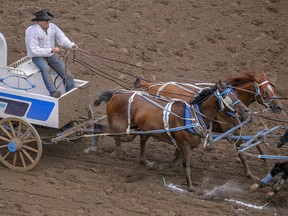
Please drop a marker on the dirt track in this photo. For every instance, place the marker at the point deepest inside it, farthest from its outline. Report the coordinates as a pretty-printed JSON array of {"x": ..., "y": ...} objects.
[{"x": 177, "y": 40}]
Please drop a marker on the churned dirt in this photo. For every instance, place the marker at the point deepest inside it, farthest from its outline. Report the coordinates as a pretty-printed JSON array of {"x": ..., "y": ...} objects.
[{"x": 177, "y": 40}]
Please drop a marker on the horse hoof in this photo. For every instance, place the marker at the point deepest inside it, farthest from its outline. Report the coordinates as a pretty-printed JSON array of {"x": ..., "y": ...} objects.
[
  {"x": 269, "y": 195},
  {"x": 117, "y": 154},
  {"x": 150, "y": 165},
  {"x": 191, "y": 189},
  {"x": 254, "y": 187},
  {"x": 89, "y": 150}
]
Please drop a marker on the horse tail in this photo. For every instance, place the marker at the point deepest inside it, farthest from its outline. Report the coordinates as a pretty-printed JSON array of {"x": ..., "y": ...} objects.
[{"x": 105, "y": 96}]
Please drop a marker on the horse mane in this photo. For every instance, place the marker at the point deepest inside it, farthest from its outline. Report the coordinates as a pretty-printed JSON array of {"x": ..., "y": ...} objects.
[
  {"x": 203, "y": 95},
  {"x": 245, "y": 77}
]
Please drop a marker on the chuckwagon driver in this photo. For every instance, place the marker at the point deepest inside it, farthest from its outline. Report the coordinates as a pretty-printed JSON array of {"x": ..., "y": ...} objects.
[{"x": 40, "y": 41}]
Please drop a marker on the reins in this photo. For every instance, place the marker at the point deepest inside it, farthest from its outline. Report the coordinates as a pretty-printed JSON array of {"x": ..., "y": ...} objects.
[
  {"x": 64, "y": 54},
  {"x": 102, "y": 73},
  {"x": 91, "y": 56},
  {"x": 268, "y": 118},
  {"x": 110, "y": 59}
]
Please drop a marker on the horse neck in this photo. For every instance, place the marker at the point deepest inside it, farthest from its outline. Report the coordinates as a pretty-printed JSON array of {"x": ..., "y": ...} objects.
[
  {"x": 246, "y": 97},
  {"x": 209, "y": 108}
]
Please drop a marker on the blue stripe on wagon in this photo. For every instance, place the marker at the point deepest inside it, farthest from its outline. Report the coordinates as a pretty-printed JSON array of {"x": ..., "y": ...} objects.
[{"x": 39, "y": 109}]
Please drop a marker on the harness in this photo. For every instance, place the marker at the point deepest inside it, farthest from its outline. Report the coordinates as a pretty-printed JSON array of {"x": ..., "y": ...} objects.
[
  {"x": 194, "y": 122},
  {"x": 259, "y": 95},
  {"x": 227, "y": 101},
  {"x": 180, "y": 85}
]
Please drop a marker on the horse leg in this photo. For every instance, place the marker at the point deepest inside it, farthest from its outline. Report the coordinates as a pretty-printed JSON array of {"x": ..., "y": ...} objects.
[
  {"x": 176, "y": 156},
  {"x": 276, "y": 188},
  {"x": 143, "y": 160},
  {"x": 241, "y": 155},
  {"x": 278, "y": 168},
  {"x": 260, "y": 150},
  {"x": 247, "y": 171},
  {"x": 243, "y": 160},
  {"x": 118, "y": 139},
  {"x": 98, "y": 128},
  {"x": 186, "y": 166},
  {"x": 127, "y": 138},
  {"x": 118, "y": 149}
]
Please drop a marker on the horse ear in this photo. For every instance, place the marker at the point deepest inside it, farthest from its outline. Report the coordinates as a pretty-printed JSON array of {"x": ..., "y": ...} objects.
[
  {"x": 218, "y": 85},
  {"x": 264, "y": 73}
]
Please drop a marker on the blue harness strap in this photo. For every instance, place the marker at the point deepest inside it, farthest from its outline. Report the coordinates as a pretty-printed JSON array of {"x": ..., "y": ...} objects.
[
  {"x": 198, "y": 119},
  {"x": 188, "y": 120}
]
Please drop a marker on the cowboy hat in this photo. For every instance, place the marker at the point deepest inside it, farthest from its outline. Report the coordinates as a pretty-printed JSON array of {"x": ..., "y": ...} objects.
[{"x": 42, "y": 15}]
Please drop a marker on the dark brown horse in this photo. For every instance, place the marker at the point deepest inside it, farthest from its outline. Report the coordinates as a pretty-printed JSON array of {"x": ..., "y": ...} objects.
[
  {"x": 278, "y": 168},
  {"x": 165, "y": 120},
  {"x": 249, "y": 88}
]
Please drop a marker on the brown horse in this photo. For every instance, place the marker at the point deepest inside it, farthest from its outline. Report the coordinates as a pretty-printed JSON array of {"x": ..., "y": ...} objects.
[
  {"x": 249, "y": 88},
  {"x": 165, "y": 120}
]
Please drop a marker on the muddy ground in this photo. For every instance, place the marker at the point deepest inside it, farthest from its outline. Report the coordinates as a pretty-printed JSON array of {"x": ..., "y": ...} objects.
[{"x": 187, "y": 41}]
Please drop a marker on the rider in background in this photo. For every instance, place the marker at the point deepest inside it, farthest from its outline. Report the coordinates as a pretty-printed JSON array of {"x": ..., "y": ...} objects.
[{"x": 40, "y": 44}]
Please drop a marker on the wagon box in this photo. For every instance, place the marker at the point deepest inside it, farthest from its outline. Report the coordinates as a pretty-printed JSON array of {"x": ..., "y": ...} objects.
[
  {"x": 26, "y": 103},
  {"x": 23, "y": 94}
]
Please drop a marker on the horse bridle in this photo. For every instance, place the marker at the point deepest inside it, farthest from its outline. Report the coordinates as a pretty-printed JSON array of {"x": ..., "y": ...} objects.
[
  {"x": 227, "y": 101},
  {"x": 258, "y": 94}
]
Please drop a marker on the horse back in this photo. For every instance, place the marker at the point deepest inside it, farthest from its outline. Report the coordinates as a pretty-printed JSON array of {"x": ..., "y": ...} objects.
[
  {"x": 146, "y": 116},
  {"x": 173, "y": 91}
]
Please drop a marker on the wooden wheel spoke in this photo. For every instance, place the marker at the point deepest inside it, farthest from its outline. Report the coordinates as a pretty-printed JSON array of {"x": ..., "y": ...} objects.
[
  {"x": 15, "y": 158},
  {"x": 5, "y": 139},
  {"x": 12, "y": 129},
  {"x": 28, "y": 155},
  {"x": 6, "y": 155},
  {"x": 30, "y": 148},
  {"x": 6, "y": 132},
  {"x": 29, "y": 141},
  {"x": 3, "y": 146},
  {"x": 19, "y": 129},
  {"x": 25, "y": 134},
  {"x": 22, "y": 159}
]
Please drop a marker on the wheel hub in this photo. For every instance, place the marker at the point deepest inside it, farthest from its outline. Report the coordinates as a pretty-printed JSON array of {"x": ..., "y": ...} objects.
[{"x": 15, "y": 145}]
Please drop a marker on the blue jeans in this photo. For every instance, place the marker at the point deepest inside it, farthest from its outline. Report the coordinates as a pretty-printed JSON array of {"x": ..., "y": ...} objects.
[{"x": 59, "y": 67}]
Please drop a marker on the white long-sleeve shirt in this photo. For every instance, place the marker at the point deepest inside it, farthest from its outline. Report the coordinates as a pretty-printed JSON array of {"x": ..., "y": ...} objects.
[{"x": 40, "y": 44}]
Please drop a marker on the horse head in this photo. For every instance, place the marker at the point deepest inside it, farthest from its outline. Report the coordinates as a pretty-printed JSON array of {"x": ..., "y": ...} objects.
[
  {"x": 266, "y": 93},
  {"x": 229, "y": 102}
]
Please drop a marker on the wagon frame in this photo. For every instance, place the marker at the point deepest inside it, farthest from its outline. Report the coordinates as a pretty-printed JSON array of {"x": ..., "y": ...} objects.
[{"x": 31, "y": 117}]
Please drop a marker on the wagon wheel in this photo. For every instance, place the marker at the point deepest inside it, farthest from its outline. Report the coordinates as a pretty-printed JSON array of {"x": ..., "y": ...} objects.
[{"x": 20, "y": 144}]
